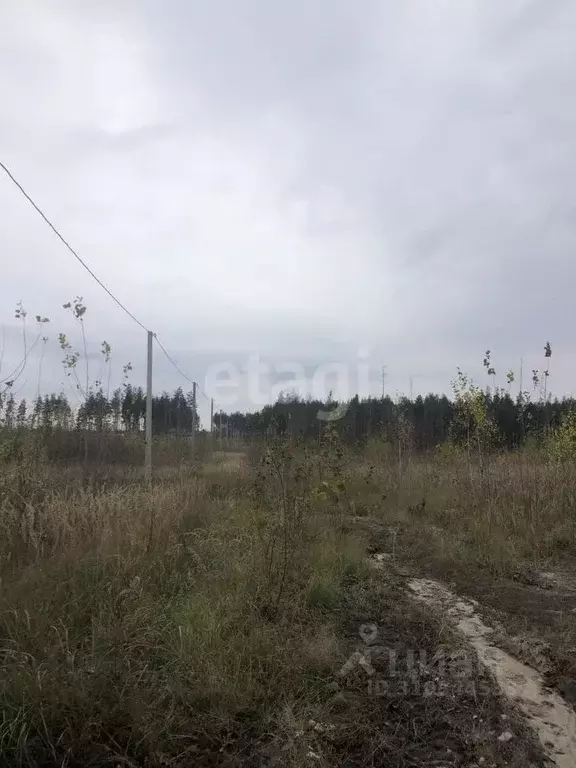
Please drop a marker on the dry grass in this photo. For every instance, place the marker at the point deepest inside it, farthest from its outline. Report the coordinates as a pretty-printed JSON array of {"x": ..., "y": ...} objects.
[
  {"x": 165, "y": 624},
  {"x": 99, "y": 450},
  {"x": 514, "y": 511},
  {"x": 491, "y": 533},
  {"x": 199, "y": 621}
]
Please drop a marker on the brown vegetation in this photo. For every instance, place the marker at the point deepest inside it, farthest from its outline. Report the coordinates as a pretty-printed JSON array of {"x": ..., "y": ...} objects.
[{"x": 202, "y": 620}]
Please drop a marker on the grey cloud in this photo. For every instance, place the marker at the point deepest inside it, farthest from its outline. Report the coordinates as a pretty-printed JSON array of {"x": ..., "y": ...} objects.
[{"x": 301, "y": 179}]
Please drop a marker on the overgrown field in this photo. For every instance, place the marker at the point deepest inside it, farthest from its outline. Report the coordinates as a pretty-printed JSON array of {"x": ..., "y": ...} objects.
[{"x": 202, "y": 620}]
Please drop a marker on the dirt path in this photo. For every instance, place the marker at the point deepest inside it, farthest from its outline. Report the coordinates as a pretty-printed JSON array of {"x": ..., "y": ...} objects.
[{"x": 551, "y": 717}]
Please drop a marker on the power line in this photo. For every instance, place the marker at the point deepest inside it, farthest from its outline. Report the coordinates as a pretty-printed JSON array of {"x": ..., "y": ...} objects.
[
  {"x": 91, "y": 273},
  {"x": 204, "y": 395},
  {"x": 180, "y": 371},
  {"x": 72, "y": 251}
]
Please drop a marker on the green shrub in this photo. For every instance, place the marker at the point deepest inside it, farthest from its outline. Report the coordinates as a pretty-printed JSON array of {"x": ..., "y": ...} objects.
[{"x": 560, "y": 444}]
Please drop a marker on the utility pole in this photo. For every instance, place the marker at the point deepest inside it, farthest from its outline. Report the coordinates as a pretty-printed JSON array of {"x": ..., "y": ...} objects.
[
  {"x": 193, "y": 412},
  {"x": 211, "y": 421},
  {"x": 148, "y": 451}
]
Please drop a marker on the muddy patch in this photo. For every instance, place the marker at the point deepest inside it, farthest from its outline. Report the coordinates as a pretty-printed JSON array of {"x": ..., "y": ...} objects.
[{"x": 550, "y": 716}]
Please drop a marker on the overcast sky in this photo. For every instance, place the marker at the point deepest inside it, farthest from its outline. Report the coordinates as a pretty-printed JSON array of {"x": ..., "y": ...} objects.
[{"x": 305, "y": 181}]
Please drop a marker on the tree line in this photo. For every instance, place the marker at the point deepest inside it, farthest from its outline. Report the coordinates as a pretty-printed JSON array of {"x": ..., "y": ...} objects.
[
  {"x": 423, "y": 422},
  {"x": 123, "y": 411}
]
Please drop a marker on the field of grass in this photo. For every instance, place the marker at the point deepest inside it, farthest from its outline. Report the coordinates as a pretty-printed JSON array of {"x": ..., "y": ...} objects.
[
  {"x": 515, "y": 509},
  {"x": 202, "y": 620}
]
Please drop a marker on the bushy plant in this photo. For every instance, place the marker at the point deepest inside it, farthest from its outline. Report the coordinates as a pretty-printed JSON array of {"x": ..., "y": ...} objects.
[
  {"x": 472, "y": 426},
  {"x": 560, "y": 443}
]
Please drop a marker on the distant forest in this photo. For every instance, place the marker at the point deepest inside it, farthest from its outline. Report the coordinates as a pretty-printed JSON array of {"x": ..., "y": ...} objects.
[
  {"x": 123, "y": 411},
  {"x": 423, "y": 422}
]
